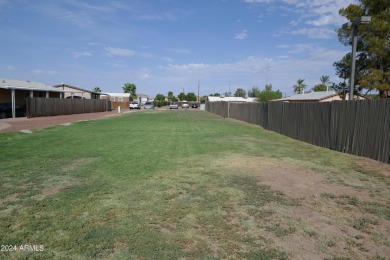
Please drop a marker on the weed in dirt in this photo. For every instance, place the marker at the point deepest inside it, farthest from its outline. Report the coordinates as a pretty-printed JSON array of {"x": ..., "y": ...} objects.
[{"x": 363, "y": 223}]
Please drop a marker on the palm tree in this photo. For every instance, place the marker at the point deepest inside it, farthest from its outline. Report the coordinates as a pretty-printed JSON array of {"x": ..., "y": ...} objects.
[
  {"x": 96, "y": 90},
  {"x": 324, "y": 85},
  {"x": 325, "y": 80},
  {"x": 299, "y": 87}
]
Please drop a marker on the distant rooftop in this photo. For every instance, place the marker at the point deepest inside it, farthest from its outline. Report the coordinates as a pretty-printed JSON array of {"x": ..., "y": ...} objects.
[
  {"x": 231, "y": 99},
  {"x": 314, "y": 96}
]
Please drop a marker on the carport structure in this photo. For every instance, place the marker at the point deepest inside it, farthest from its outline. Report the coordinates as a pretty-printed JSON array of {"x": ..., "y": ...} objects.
[{"x": 16, "y": 92}]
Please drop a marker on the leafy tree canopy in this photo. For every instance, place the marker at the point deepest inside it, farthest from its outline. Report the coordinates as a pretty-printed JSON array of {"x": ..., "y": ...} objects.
[
  {"x": 240, "y": 93},
  {"x": 324, "y": 85},
  {"x": 130, "y": 88},
  {"x": 268, "y": 94},
  {"x": 182, "y": 96},
  {"x": 160, "y": 97},
  {"x": 373, "y": 48},
  {"x": 191, "y": 96},
  {"x": 253, "y": 92}
]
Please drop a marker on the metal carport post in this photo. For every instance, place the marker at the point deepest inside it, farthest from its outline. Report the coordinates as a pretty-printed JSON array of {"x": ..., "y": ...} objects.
[{"x": 13, "y": 102}]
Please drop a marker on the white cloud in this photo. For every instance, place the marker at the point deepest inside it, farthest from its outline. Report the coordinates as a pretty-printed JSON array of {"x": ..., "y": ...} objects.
[
  {"x": 81, "y": 54},
  {"x": 315, "y": 33},
  {"x": 241, "y": 36},
  {"x": 119, "y": 52},
  {"x": 144, "y": 76},
  {"x": 258, "y": 1},
  {"x": 180, "y": 51}
]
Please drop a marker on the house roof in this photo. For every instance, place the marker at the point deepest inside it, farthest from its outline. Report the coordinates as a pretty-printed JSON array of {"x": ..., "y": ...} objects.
[
  {"x": 26, "y": 85},
  {"x": 73, "y": 87},
  {"x": 311, "y": 96},
  {"x": 116, "y": 94},
  {"x": 231, "y": 99}
]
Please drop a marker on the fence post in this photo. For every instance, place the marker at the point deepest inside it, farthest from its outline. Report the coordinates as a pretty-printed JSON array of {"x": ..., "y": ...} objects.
[{"x": 228, "y": 109}]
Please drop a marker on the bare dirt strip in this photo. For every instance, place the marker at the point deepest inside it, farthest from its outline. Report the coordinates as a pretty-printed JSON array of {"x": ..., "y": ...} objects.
[{"x": 24, "y": 123}]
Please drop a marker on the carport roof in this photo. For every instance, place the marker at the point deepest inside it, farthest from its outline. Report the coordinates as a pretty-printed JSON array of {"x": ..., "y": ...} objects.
[{"x": 26, "y": 85}]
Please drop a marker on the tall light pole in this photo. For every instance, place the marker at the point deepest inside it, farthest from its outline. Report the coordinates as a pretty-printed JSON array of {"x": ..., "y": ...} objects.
[{"x": 354, "y": 26}]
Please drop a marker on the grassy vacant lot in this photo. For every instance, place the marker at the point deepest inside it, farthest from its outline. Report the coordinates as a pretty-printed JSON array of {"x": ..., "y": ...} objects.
[{"x": 187, "y": 184}]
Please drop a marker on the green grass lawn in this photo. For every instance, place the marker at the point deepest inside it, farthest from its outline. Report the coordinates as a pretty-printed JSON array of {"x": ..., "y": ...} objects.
[{"x": 180, "y": 184}]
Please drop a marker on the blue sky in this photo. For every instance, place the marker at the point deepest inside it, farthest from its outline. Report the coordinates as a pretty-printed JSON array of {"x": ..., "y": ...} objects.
[{"x": 168, "y": 45}]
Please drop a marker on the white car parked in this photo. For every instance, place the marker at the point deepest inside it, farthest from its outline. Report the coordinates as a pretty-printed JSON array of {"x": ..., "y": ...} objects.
[{"x": 185, "y": 104}]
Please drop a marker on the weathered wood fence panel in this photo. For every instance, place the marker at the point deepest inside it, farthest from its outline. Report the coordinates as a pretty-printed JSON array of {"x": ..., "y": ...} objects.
[
  {"x": 38, "y": 107},
  {"x": 355, "y": 127}
]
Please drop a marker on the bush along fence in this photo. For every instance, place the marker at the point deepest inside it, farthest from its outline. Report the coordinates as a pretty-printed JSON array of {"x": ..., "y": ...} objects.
[
  {"x": 38, "y": 107},
  {"x": 356, "y": 127}
]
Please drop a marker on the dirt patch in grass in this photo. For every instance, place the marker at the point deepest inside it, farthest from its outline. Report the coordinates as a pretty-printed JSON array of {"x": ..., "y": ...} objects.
[
  {"x": 330, "y": 219},
  {"x": 292, "y": 180},
  {"x": 77, "y": 163}
]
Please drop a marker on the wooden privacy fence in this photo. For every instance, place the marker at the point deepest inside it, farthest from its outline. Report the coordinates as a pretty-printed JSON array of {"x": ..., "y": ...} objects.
[
  {"x": 123, "y": 105},
  {"x": 356, "y": 127},
  {"x": 38, "y": 107}
]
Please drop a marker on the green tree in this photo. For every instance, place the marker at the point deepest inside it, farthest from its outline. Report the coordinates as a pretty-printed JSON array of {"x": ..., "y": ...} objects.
[
  {"x": 215, "y": 95},
  {"x": 159, "y": 100},
  {"x": 171, "y": 97},
  {"x": 268, "y": 94},
  {"x": 254, "y": 92},
  {"x": 130, "y": 88},
  {"x": 268, "y": 87},
  {"x": 240, "y": 93},
  {"x": 299, "y": 88},
  {"x": 96, "y": 90},
  {"x": 160, "y": 97},
  {"x": 182, "y": 96},
  {"x": 373, "y": 48},
  {"x": 191, "y": 96},
  {"x": 227, "y": 94},
  {"x": 324, "y": 85}
]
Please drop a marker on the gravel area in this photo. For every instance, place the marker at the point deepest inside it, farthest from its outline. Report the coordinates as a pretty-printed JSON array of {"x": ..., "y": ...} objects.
[{"x": 24, "y": 123}]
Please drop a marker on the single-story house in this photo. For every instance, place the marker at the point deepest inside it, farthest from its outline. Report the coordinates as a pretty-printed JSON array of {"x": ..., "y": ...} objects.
[
  {"x": 116, "y": 97},
  {"x": 125, "y": 97},
  {"x": 75, "y": 92},
  {"x": 320, "y": 96},
  {"x": 15, "y": 92},
  {"x": 231, "y": 99}
]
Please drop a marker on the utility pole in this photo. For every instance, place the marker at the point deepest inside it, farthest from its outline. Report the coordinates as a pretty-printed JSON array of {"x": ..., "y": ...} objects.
[
  {"x": 266, "y": 74},
  {"x": 198, "y": 92}
]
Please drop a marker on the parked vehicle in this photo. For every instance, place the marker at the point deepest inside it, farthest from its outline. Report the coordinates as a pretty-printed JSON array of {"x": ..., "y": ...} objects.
[
  {"x": 185, "y": 104},
  {"x": 134, "y": 105},
  {"x": 149, "y": 105},
  {"x": 6, "y": 110},
  {"x": 173, "y": 105},
  {"x": 194, "y": 105}
]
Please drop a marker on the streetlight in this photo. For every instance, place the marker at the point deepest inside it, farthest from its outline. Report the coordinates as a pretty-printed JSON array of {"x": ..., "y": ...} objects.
[{"x": 354, "y": 25}]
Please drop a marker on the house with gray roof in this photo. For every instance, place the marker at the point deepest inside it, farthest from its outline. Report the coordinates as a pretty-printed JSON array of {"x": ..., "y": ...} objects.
[
  {"x": 76, "y": 92},
  {"x": 320, "y": 96},
  {"x": 230, "y": 99},
  {"x": 16, "y": 92}
]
